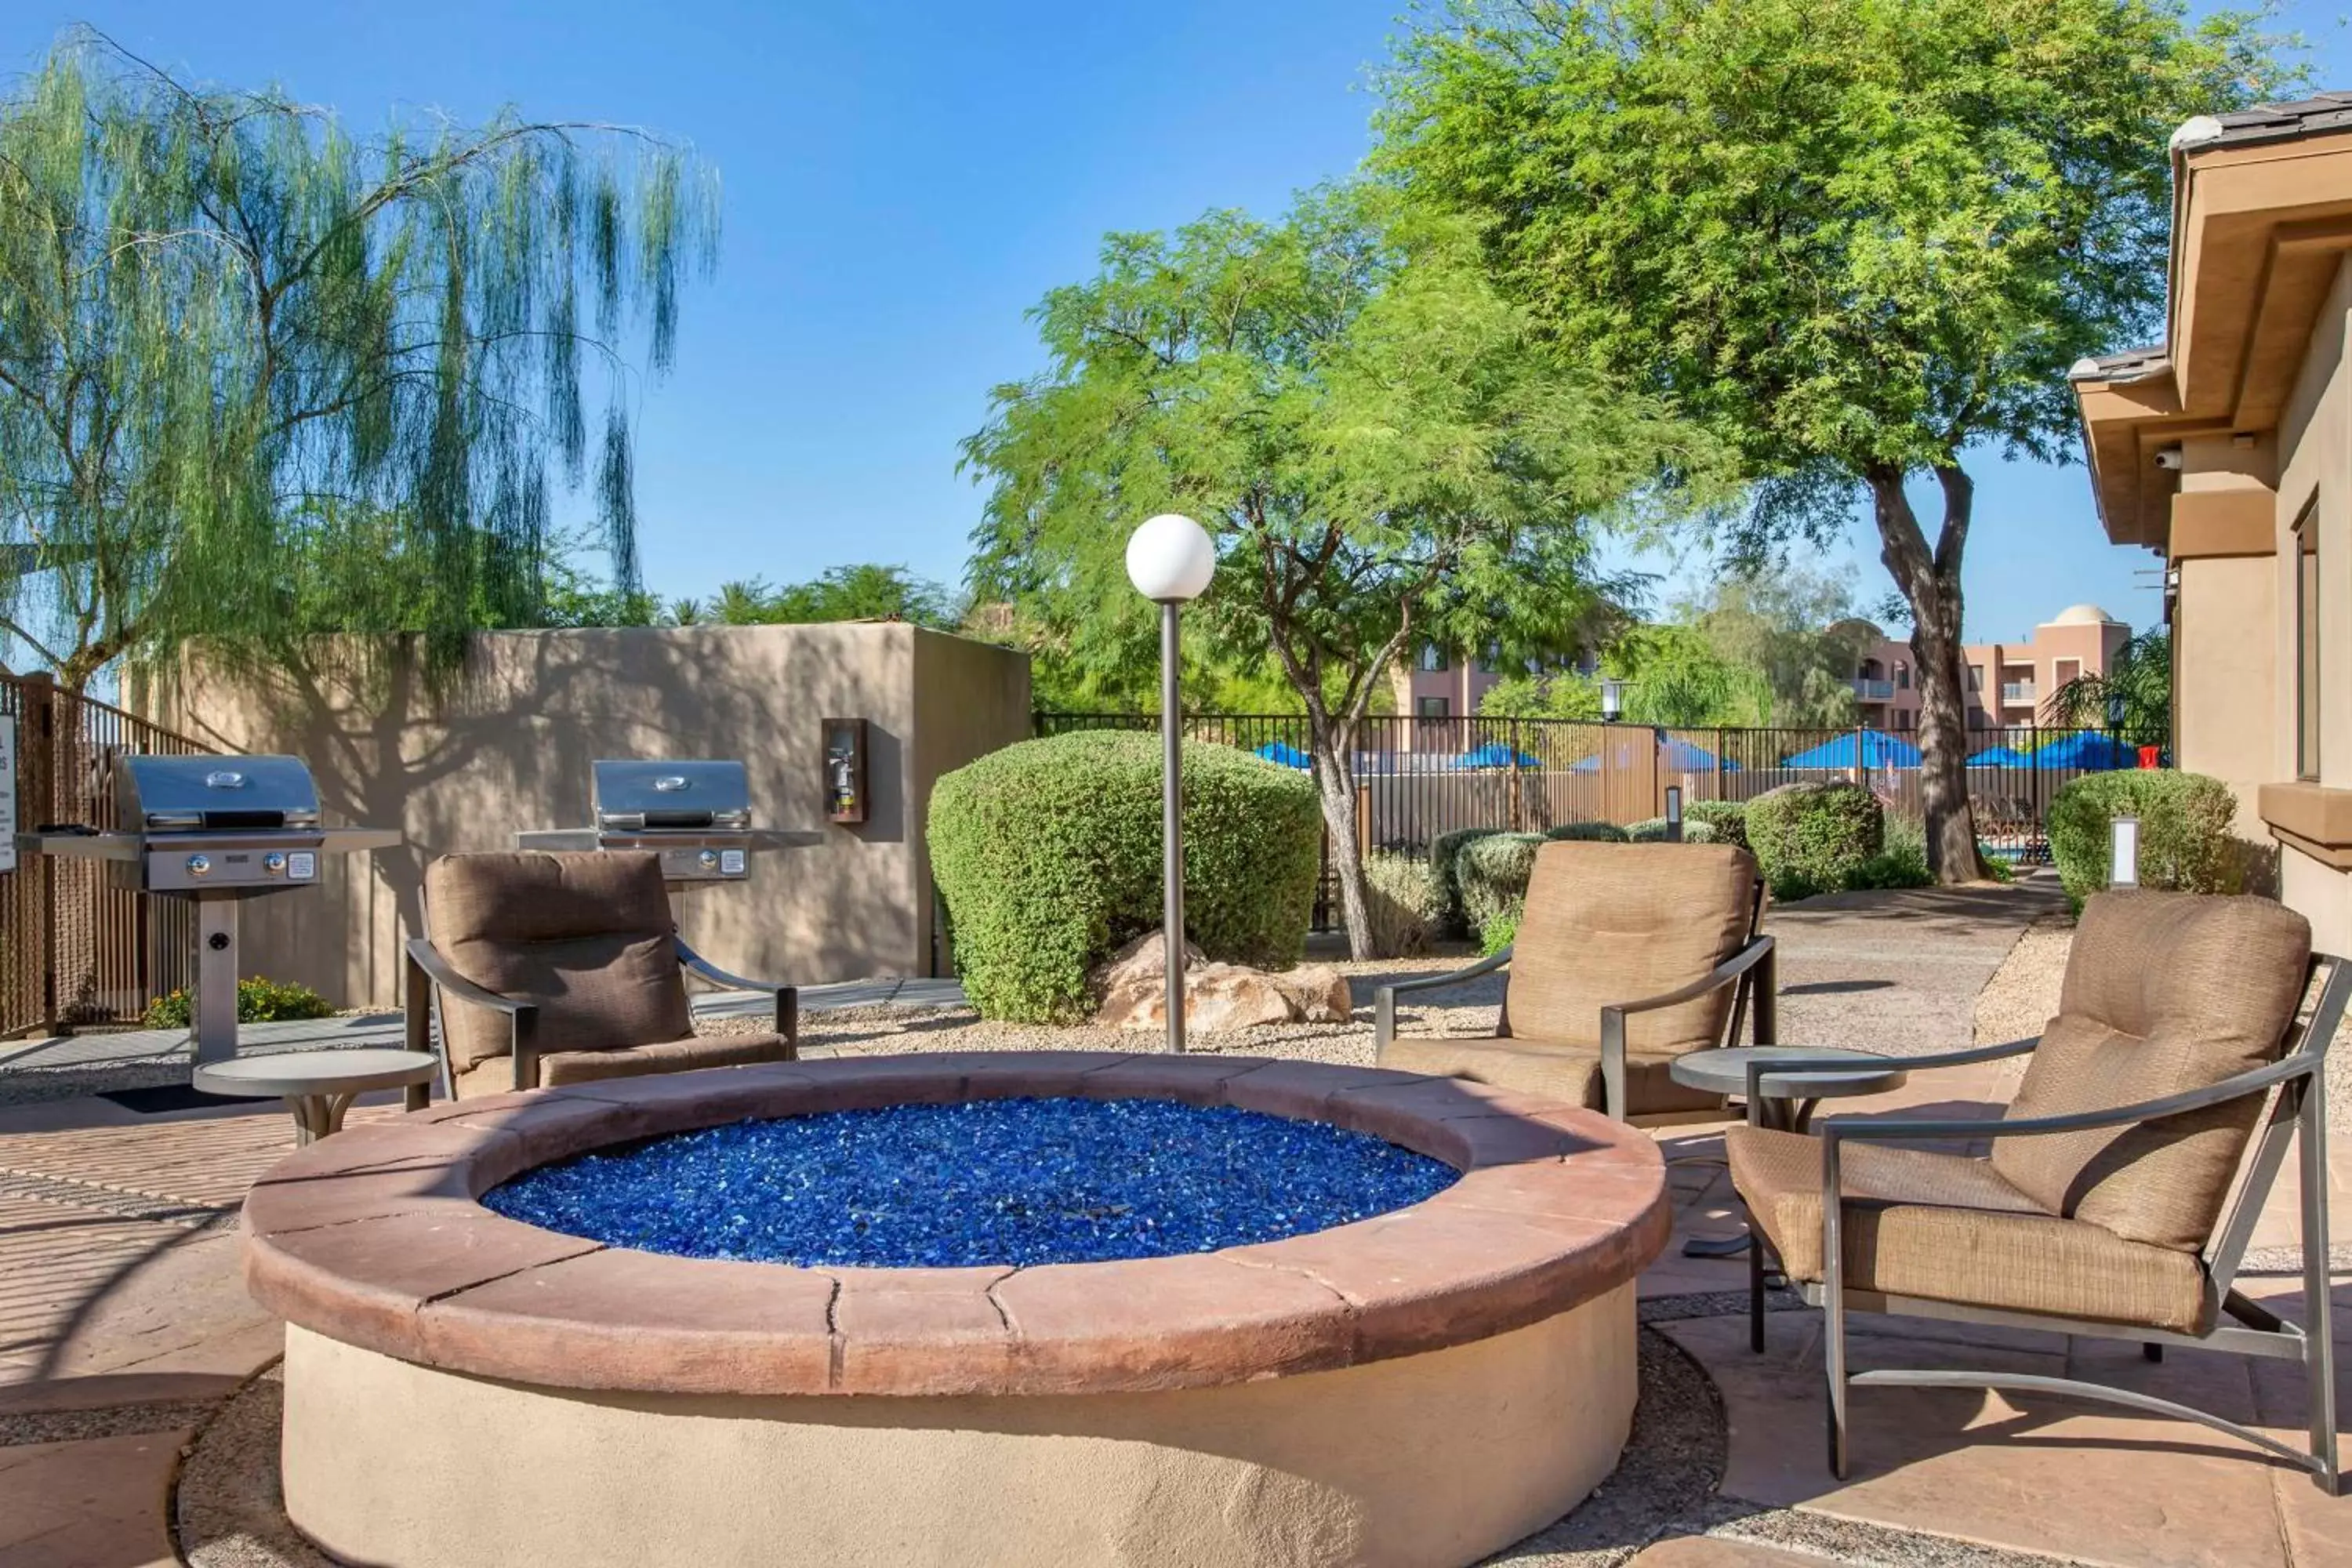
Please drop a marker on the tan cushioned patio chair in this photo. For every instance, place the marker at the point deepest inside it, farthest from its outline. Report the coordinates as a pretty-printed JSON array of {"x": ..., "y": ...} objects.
[
  {"x": 2100, "y": 1209},
  {"x": 1628, "y": 956},
  {"x": 561, "y": 968}
]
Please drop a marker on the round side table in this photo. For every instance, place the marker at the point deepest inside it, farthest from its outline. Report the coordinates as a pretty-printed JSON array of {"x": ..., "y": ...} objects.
[
  {"x": 1785, "y": 1098},
  {"x": 320, "y": 1086}
]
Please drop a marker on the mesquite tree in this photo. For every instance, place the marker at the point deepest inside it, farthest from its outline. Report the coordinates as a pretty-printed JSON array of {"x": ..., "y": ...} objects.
[
  {"x": 1862, "y": 240},
  {"x": 1378, "y": 446},
  {"x": 223, "y": 317}
]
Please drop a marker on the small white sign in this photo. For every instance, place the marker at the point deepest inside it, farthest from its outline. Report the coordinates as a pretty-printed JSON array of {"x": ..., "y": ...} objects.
[
  {"x": 301, "y": 866},
  {"x": 730, "y": 862},
  {"x": 8, "y": 792}
]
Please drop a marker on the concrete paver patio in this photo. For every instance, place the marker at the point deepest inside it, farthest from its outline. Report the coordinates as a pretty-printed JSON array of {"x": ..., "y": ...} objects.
[{"x": 123, "y": 1324}]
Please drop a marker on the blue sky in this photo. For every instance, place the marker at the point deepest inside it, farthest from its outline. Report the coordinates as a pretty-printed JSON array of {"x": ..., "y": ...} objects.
[{"x": 901, "y": 183}]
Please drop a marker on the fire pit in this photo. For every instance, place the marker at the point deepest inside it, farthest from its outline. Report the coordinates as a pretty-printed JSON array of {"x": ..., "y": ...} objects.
[{"x": 1285, "y": 1382}]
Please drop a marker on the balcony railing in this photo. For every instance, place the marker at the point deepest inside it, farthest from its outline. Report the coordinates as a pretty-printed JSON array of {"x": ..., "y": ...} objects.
[
  {"x": 2017, "y": 691},
  {"x": 1873, "y": 691}
]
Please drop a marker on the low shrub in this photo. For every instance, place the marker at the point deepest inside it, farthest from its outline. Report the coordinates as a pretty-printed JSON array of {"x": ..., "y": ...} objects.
[
  {"x": 1901, "y": 862},
  {"x": 1047, "y": 855},
  {"x": 2185, "y": 839},
  {"x": 1727, "y": 817},
  {"x": 1501, "y": 930},
  {"x": 1813, "y": 839},
  {"x": 1591, "y": 832},
  {"x": 1443, "y": 855},
  {"x": 1402, "y": 894},
  {"x": 1654, "y": 831},
  {"x": 1493, "y": 874},
  {"x": 258, "y": 1001}
]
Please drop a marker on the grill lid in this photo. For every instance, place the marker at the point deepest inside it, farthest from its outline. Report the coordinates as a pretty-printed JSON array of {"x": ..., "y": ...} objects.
[
  {"x": 680, "y": 797},
  {"x": 213, "y": 794}
]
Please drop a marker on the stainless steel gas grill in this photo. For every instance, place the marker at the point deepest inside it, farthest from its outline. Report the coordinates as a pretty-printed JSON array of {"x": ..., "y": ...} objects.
[
  {"x": 215, "y": 830},
  {"x": 697, "y": 816}
]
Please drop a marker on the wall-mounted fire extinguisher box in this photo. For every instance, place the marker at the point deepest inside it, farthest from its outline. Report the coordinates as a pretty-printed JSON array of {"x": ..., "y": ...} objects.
[{"x": 844, "y": 769}]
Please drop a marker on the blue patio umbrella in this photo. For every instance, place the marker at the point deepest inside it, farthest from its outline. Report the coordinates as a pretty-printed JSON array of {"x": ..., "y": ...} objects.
[
  {"x": 2088, "y": 749},
  {"x": 1289, "y": 756},
  {"x": 2000, "y": 757},
  {"x": 1879, "y": 750},
  {"x": 1495, "y": 755}
]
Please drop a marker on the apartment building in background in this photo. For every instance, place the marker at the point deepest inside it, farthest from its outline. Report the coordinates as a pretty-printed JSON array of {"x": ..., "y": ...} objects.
[{"x": 2007, "y": 682}]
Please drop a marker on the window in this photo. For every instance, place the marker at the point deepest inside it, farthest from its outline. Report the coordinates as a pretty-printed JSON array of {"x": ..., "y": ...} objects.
[
  {"x": 1429, "y": 707},
  {"x": 1975, "y": 678},
  {"x": 2065, "y": 670},
  {"x": 2306, "y": 641},
  {"x": 1433, "y": 657},
  {"x": 1491, "y": 660},
  {"x": 1901, "y": 677}
]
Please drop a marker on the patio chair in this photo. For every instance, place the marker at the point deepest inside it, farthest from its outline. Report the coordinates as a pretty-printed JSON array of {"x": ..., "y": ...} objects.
[
  {"x": 2105, "y": 1207},
  {"x": 561, "y": 968},
  {"x": 1628, "y": 956}
]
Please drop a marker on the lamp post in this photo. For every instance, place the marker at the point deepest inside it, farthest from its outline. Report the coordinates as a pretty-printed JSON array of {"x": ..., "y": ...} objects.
[
  {"x": 1612, "y": 700},
  {"x": 1169, "y": 560}
]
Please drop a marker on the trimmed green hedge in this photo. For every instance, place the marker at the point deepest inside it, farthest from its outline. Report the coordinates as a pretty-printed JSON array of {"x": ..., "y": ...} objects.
[
  {"x": 1727, "y": 817},
  {"x": 1901, "y": 863},
  {"x": 1403, "y": 895},
  {"x": 1443, "y": 855},
  {"x": 1492, "y": 873},
  {"x": 1048, "y": 855},
  {"x": 1591, "y": 832},
  {"x": 1813, "y": 839},
  {"x": 1654, "y": 831},
  {"x": 2185, "y": 839}
]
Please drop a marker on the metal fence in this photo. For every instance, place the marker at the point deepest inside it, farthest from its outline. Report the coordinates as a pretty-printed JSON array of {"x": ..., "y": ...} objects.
[
  {"x": 76, "y": 952},
  {"x": 1419, "y": 778}
]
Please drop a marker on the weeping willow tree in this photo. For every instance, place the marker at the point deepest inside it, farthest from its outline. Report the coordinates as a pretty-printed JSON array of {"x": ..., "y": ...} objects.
[{"x": 224, "y": 319}]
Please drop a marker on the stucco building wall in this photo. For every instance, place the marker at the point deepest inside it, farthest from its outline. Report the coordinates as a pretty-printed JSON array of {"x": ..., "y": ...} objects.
[{"x": 508, "y": 746}]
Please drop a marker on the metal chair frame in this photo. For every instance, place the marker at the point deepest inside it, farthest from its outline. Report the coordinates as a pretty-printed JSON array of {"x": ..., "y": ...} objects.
[
  {"x": 1754, "y": 969},
  {"x": 430, "y": 974},
  {"x": 2241, "y": 1327}
]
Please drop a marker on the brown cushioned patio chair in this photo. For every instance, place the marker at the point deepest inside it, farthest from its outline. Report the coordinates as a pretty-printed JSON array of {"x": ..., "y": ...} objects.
[
  {"x": 2104, "y": 1208},
  {"x": 560, "y": 968},
  {"x": 1628, "y": 956}
]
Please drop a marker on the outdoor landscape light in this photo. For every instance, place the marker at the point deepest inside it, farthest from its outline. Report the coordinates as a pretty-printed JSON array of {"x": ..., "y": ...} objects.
[
  {"x": 1169, "y": 560},
  {"x": 2122, "y": 852},
  {"x": 1674, "y": 814},
  {"x": 1612, "y": 700}
]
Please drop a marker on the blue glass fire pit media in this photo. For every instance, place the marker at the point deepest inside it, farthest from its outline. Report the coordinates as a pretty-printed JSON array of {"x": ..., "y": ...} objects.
[{"x": 1010, "y": 1182}]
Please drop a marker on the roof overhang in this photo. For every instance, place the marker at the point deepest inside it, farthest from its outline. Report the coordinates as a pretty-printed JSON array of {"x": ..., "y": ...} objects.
[{"x": 2259, "y": 228}]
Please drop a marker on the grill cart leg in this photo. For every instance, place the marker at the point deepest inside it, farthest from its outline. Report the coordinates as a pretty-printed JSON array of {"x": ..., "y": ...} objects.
[{"x": 215, "y": 980}]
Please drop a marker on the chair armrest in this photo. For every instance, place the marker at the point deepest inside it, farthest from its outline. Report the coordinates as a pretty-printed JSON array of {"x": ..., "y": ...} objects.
[
  {"x": 2238, "y": 1085},
  {"x": 1973, "y": 1054},
  {"x": 522, "y": 1018},
  {"x": 787, "y": 997},
  {"x": 1384, "y": 998},
  {"x": 1758, "y": 951}
]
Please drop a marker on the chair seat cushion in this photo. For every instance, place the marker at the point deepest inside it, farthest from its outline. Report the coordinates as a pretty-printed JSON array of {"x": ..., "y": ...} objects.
[
  {"x": 495, "y": 1075},
  {"x": 1946, "y": 1227},
  {"x": 1569, "y": 1072}
]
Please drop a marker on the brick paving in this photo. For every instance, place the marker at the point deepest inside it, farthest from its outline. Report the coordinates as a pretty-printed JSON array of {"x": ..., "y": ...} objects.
[{"x": 123, "y": 1322}]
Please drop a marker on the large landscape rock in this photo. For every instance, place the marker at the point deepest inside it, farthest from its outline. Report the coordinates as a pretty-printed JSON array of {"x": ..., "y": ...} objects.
[{"x": 1217, "y": 997}]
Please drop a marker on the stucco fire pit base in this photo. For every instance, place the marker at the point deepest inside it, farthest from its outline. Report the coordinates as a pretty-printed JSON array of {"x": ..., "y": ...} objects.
[
  {"x": 1434, "y": 1458},
  {"x": 1421, "y": 1388}
]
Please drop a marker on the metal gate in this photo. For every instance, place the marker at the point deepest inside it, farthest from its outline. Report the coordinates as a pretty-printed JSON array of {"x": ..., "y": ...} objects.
[{"x": 75, "y": 951}]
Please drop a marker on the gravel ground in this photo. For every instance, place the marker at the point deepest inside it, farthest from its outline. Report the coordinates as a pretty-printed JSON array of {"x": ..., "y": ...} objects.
[{"x": 1471, "y": 1009}]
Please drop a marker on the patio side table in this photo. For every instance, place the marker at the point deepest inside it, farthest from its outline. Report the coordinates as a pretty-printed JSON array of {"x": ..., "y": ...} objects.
[
  {"x": 1792, "y": 1082},
  {"x": 320, "y": 1086}
]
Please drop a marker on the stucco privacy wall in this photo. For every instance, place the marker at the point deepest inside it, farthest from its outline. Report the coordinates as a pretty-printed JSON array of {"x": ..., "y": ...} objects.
[{"x": 509, "y": 745}]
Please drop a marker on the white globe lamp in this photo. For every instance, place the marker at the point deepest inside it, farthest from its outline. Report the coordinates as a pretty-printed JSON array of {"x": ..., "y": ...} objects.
[{"x": 1169, "y": 560}]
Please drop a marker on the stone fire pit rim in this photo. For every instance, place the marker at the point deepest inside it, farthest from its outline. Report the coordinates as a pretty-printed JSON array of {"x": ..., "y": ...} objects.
[{"x": 374, "y": 1237}]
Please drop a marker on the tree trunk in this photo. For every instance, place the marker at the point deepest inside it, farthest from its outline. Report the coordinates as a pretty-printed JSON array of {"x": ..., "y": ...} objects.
[
  {"x": 1930, "y": 581},
  {"x": 1337, "y": 782}
]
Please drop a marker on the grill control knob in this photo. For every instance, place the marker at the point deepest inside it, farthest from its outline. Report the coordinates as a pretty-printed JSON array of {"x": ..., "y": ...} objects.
[
  {"x": 200, "y": 865},
  {"x": 709, "y": 859},
  {"x": 273, "y": 864}
]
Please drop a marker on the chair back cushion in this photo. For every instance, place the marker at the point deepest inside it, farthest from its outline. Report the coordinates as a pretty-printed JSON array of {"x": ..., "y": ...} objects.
[
  {"x": 586, "y": 935},
  {"x": 1618, "y": 922},
  {"x": 2164, "y": 993}
]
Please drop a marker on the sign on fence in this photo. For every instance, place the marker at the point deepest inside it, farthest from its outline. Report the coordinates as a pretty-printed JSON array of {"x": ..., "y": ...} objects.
[{"x": 8, "y": 792}]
